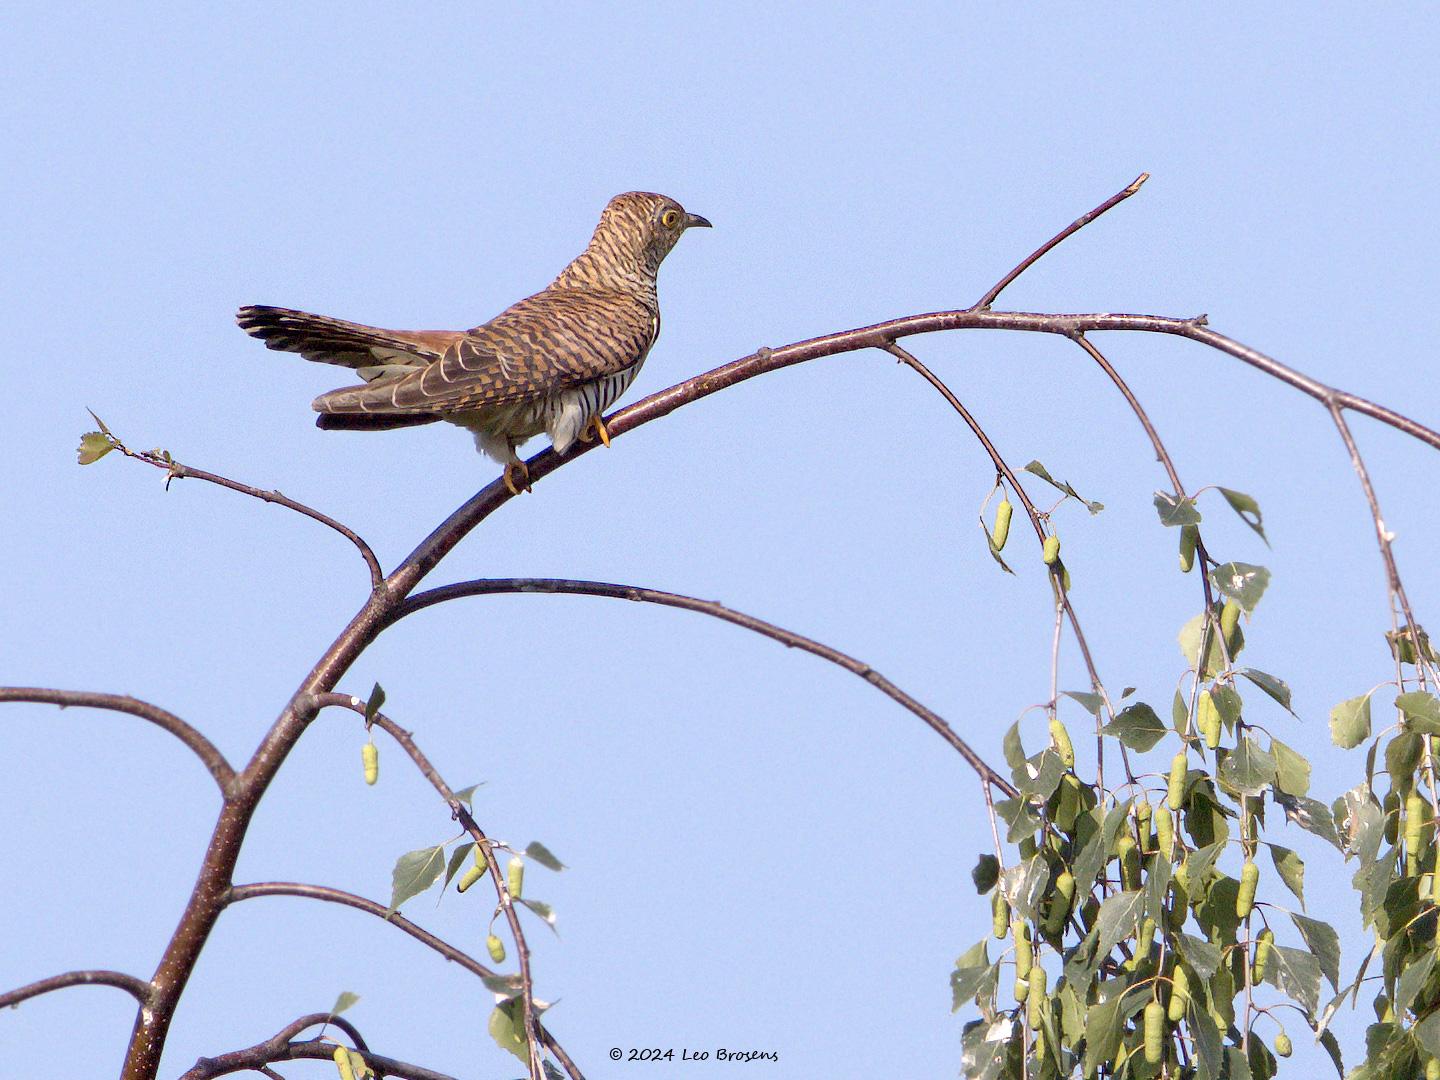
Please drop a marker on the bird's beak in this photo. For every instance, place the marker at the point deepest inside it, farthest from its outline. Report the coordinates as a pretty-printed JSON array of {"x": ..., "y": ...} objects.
[{"x": 693, "y": 220}]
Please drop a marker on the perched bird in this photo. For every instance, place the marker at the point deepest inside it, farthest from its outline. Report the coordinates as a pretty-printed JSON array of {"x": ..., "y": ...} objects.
[{"x": 554, "y": 362}]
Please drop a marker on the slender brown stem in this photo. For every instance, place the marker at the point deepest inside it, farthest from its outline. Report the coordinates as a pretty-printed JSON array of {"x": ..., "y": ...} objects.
[
  {"x": 204, "y": 749},
  {"x": 489, "y": 587},
  {"x": 1382, "y": 535},
  {"x": 1161, "y": 454},
  {"x": 1074, "y": 227},
  {"x": 536, "y": 1037},
  {"x": 1062, "y": 598},
  {"x": 139, "y": 989},
  {"x": 359, "y": 903},
  {"x": 176, "y": 471}
]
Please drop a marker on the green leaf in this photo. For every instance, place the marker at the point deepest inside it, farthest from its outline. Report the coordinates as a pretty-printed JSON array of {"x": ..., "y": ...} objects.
[
  {"x": 1040, "y": 775},
  {"x": 1246, "y": 770},
  {"x": 507, "y": 1028},
  {"x": 1175, "y": 510},
  {"x": 377, "y": 699},
  {"x": 1322, "y": 941},
  {"x": 1241, "y": 582},
  {"x": 542, "y": 909},
  {"x": 1190, "y": 635},
  {"x": 1228, "y": 703},
  {"x": 93, "y": 446},
  {"x": 504, "y": 985},
  {"x": 1118, "y": 919},
  {"x": 1091, "y": 703},
  {"x": 1202, "y": 956},
  {"x": 1276, "y": 688},
  {"x": 972, "y": 970},
  {"x": 1040, "y": 471},
  {"x": 1299, "y": 975},
  {"x": 1412, "y": 978},
  {"x": 1024, "y": 885},
  {"x": 467, "y": 795},
  {"x": 1137, "y": 727},
  {"x": 1427, "y": 1032},
  {"x": 1291, "y": 869},
  {"x": 1247, "y": 508},
  {"x": 1292, "y": 771},
  {"x": 1012, "y": 747},
  {"x": 414, "y": 872},
  {"x": 1422, "y": 711},
  {"x": 986, "y": 873},
  {"x": 1311, "y": 815},
  {"x": 1332, "y": 1047},
  {"x": 1103, "y": 1031},
  {"x": 457, "y": 856},
  {"x": 1209, "y": 1049},
  {"x": 994, "y": 551},
  {"x": 1350, "y": 722},
  {"x": 543, "y": 855},
  {"x": 343, "y": 1002}
]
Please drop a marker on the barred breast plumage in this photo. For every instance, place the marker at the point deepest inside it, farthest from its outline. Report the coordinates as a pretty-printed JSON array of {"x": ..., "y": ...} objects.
[{"x": 552, "y": 363}]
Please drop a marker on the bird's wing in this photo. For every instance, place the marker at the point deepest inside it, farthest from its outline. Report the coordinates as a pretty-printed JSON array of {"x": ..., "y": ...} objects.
[
  {"x": 551, "y": 341},
  {"x": 335, "y": 341}
]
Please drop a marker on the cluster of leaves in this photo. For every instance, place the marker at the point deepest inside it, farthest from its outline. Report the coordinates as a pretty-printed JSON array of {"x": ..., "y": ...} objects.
[
  {"x": 1393, "y": 840},
  {"x": 1133, "y": 942}
]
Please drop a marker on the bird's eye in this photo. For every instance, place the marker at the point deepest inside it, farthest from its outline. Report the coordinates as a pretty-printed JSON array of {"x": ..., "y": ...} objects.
[{"x": 670, "y": 218}]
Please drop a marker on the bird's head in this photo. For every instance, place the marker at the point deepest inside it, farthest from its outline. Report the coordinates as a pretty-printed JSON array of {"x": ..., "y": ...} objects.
[{"x": 638, "y": 229}]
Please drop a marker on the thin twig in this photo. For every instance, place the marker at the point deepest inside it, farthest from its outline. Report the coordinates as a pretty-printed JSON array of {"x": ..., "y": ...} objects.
[
  {"x": 139, "y": 989},
  {"x": 1062, "y": 598},
  {"x": 204, "y": 749},
  {"x": 1161, "y": 454},
  {"x": 492, "y": 586},
  {"x": 359, "y": 903},
  {"x": 535, "y": 1037},
  {"x": 1074, "y": 227},
  {"x": 176, "y": 471}
]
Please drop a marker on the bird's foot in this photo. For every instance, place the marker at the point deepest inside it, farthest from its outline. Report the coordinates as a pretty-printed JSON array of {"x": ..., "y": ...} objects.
[
  {"x": 517, "y": 477},
  {"x": 595, "y": 427}
]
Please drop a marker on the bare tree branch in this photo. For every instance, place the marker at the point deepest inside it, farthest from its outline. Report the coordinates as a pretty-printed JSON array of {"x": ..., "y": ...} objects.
[
  {"x": 279, "y": 1048},
  {"x": 360, "y": 903},
  {"x": 139, "y": 989},
  {"x": 204, "y": 749},
  {"x": 487, "y": 587},
  {"x": 176, "y": 471},
  {"x": 1069, "y": 230}
]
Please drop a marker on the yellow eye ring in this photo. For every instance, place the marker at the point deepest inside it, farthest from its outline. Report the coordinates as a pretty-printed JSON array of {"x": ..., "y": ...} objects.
[{"x": 670, "y": 218}]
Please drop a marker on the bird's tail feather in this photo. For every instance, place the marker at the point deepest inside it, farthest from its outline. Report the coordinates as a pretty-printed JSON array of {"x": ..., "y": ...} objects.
[{"x": 336, "y": 341}]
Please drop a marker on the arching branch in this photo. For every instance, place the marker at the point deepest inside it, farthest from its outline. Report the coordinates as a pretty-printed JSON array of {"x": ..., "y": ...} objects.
[
  {"x": 204, "y": 749},
  {"x": 139, "y": 989},
  {"x": 489, "y": 587}
]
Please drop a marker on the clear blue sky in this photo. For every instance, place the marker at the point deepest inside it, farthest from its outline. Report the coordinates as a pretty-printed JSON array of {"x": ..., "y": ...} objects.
[{"x": 764, "y": 853}]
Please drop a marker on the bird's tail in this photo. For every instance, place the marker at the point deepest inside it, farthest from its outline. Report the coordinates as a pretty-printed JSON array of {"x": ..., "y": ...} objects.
[{"x": 336, "y": 341}]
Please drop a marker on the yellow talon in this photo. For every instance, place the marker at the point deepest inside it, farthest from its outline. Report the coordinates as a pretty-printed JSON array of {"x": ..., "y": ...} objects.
[
  {"x": 513, "y": 470},
  {"x": 598, "y": 425}
]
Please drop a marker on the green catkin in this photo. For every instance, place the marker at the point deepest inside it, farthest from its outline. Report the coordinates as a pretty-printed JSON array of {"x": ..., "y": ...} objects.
[
  {"x": 1229, "y": 623},
  {"x": 1052, "y": 550},
  {"x": 370, "y": 757},
  {"x": 1249, "y": 880},
  {"x": 496, "y": 947},
  {"x": 1060, "y": 902},
  {"x": 1414, "y": 832},
  {"x": 1208, "y": 720},
  {"x": 515, "y": 878},
  {"x": 1179, "y": 770},
  {"x": 1003, "y": 513},
  {"x": 1129, "y": 857},
  {"x": 1165, "y": 833},
  {"x": 1189, "y": 535},
  {"x": 1000, "y": 912},
  {"x": 1035, "y": 998},
  {"x": 1179, "y": 994},
  {"x": 1392, "y": 818},
  {"x": 1154, "y": 1032},
  {"x": 1283, "y": 1047},
  {"x": 1263, "y": 947},
  {"x": 1024, "y": 954}
]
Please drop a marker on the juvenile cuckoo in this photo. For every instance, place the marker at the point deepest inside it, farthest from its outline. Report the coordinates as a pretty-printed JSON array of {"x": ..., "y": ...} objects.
[{"x": 553, "y": 363}]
